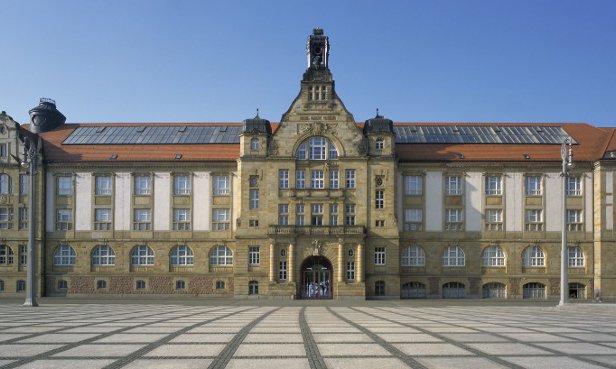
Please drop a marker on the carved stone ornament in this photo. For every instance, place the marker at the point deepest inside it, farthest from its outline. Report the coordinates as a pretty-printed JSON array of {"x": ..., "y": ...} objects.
[
  {"x": 273, "y": 148},
  {"x": 317, "y": 248}
]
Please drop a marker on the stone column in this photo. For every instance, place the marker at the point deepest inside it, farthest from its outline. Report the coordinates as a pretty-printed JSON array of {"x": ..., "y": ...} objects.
[
  {"x": 271, "y": 263},
  {"x": 340, "y": 264},
  {"x": 359, "y": 268},
  {"x": 291, "y": 262}
]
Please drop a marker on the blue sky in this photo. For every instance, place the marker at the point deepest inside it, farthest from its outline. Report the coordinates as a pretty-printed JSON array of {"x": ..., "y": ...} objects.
[{"x": 217, "y": 61}]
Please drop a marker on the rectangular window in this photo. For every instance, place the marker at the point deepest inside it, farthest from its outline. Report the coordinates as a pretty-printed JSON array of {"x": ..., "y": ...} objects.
[
  {"x": 283, "y": 214},
  {"x": 102, "y": 219},
  {"x": 282, "y": 270},
  {"x": 379, "y": 256},
  {"x": 453, "y": 185},
  {"x": 23, "y": 184},
  {"x": 3, "y": 150},
  {"x": 220, "y": 219},
  {"x": 253, "y": 202},
  {"x": 574, "y": 186},
  {"x": 379, "y": 223},
  {"x": 283, "y": 178},
  {"x": 142, "y": 220},
  {"x": 413, "y": 185},
  {"x": 379, "y": 198},
  {"x": 64, "y": 220},
  {"x": 333, "y": 214},
  {"x": 574, "y": 220},
  {"x": 316, "y": 179},
  {"x": 65, "y": 185},
  {"x": 333, "y": 179},
  {"x": 300, "y": 179},
  {"x": 316, "y": 214},
  {"x": 6, "y": 218},
  {"x": 454, "y": 220},
  {"x": 494, "y": 185},
  {"x": 413, "y": 219},
  {"x": 534, "y": 220},
  {"x": 533, "y": 185},
  {"x": 350, "y": 270},
  {"x": 103, "y": 185},
  {"x": 23, "y": 254},
  {"x": 253, "y": 223},
  {"x": 494, "y": 219},
  {"x": 349, "y": 214},
  {"x": 350, "y": 178},
  {"x": 253, "y": 255},
  {"x": 222, "y": 185},
  {"x": 23, "y": 218},
  {"x": 299, "y": 214},
  {"x": 181, "y": 185},
  {"x": 181, "y": 219},
  {"x": 142, "y": 186}
]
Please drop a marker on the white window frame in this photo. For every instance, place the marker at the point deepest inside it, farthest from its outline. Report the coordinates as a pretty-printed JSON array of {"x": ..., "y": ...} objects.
[
  {"x": 64, "y": 219},
  {"x": 253, "y": 201},
  {"x": 103, "y": 255},
  {"x": 413, "y": 219},
  {"x": 575, "y": 257},
  {"x": 181, "y": 185},
  {"x": 64, "y": 255},
  {"x": 380, "y": 256},
  {"x": 283, "y": 179},
  {"x": 349, "y": 214},
  {"x": 283, "y": 214},
  {"x": 413, "y": 185},
  {"x": 102, "y": 219},
  {"x": 142, "y": 255},
  {"x": 317, "y": 179},
  {"x": 142, "y": 219},
  {"x": 453, "y": 256},
  {"x": 181, "y": 255},
  {"x": 221, "y": 219},
  {"x": 103, "y": 186},
  {"x": 64, "y": 185},
  {"x": 254, "y": 255},
  {"x": 181, "y": 219},
  {"x": 143, "y": 185},
  {"x": 493, "y": 256},
  {"x": 575, "y": 220},
  {"x": 300, "y": 179},
  {"x": 494, "y": 185},
  {"x": 413, "y": 256},
  {"x": 350, "y": 176},
  {"x": 533, "y": 185},
  {"x": 334, "y": 179},
  {"x": 222, "y": 185},
  {"x": 221, "y": 255},
  {"x": 533, "y": 256},
  {"x": 453, "y": 185},
  {"x": 574, "y": 186}
]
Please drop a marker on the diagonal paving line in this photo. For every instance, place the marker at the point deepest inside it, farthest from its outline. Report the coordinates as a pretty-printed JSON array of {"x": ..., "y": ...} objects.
[
  {"x": 48, "y": 354},
  {"x": 510, "y": 339},
  {"x": 226, "y": 354},
  {"x": 60, "y": 329},
  {"x": 445, "y": 339},
  {"x": 386, "y": 345},
  {"x": 312, "y": 350}
]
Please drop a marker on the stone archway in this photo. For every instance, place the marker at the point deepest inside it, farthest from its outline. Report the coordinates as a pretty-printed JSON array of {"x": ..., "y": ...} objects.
[{"x": 317, "y": 274}]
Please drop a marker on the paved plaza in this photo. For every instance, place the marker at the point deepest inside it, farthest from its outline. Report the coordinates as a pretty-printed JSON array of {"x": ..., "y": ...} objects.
[{"x": 383, "y": 335}]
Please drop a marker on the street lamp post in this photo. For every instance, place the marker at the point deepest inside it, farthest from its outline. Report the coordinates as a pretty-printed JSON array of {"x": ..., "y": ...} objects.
[
  {"x": 566, "y": 153},
  {"x": 30, "y": 160}
]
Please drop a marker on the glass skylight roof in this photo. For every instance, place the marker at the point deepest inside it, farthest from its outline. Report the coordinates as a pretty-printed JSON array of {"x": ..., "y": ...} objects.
[
  {"x": 218, "y": 134},
  {"x": 497, "y": 134}
]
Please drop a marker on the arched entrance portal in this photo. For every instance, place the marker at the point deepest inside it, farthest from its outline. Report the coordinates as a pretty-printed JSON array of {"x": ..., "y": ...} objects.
[{"x": 317, "y": 275}]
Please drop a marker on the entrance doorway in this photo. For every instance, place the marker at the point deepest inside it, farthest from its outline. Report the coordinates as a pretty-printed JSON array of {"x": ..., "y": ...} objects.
[{"x": 316, "y": 278}]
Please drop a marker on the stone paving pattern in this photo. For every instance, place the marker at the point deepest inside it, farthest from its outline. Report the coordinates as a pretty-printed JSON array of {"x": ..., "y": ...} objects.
[{"x": 337, "y": 336}]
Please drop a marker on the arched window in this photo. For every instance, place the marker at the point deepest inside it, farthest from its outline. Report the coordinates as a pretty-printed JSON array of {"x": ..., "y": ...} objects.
[
  {"x": 181, "y": 255},
  {"x": 221, "y": 255},
  {"x": 493, "y": 256},
  {"x": 180, "y": 285},
  {"x": 576, "y": 256},
  {"x": 253, "y": 288},
  {"x": 103, "y": 255},
  {"x": 453, "y": 257},
  {"x": 316, "y": 148},
  {"x": 533, "y": 291},
  {"x": 101, "y": 284},
  {"x": 413, "y": 290},
  {"x": 142, "y": 255},
  {"x": 453, "y": 290},
  {"x": 64, "y": 255},
  {"x": 533, "y": 257},
  {"x": 254, "y": 144},
  {"x": 413, "y": 256},
  {"x": 493, "y": 291},
  {"x": 5, "y": 184},
  {"x": 6, "y": 255},
  {"x": 380, "y": 143}
]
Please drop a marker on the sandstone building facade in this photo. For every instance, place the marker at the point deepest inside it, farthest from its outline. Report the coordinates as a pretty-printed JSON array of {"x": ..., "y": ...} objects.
[{"x": 315, "y": 206}]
